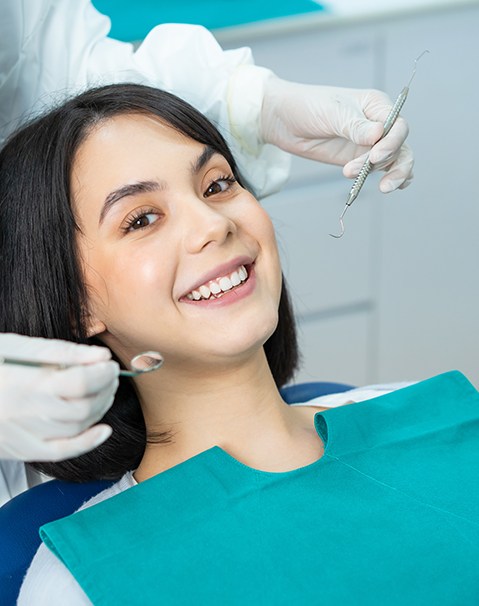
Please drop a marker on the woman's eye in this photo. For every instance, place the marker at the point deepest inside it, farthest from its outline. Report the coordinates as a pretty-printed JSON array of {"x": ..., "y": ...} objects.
[
  {"x": 219, "y": 185},
  {"x": 141, "y": 221}
]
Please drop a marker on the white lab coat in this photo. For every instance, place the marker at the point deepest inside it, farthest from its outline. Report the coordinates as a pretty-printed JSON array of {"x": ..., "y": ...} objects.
[
  {"x": 15, "y": 477},
  {"x": 53, "y": 48}
]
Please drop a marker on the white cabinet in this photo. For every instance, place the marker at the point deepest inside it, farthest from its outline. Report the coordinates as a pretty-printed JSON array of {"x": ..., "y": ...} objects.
[
  {"x": 322, "y": 274},
  {"x": 336, "y": 347},
  {"x": 397, "y": 297}
]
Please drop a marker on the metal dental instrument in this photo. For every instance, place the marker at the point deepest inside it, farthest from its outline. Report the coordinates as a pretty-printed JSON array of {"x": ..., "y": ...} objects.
[
  {"x": 368, "y": 166},
  {"x": 147, "y": 361}
]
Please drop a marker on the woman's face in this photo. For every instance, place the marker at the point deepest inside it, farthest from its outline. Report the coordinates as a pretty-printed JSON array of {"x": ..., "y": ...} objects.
[{"x": 177, "y": 256}]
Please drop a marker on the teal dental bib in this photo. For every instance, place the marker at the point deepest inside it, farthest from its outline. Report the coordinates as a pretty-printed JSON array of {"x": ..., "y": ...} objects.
[{"x": 389, "y": 515}]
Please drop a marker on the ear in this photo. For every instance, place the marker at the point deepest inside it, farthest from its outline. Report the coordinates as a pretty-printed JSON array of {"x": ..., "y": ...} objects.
[
  {"x": 95, "y": 329},
  {"x": 94, "y": 326}
]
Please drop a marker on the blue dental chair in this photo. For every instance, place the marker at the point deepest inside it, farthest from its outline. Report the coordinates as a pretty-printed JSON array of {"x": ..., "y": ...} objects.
[{"x": 21, "y": 518}]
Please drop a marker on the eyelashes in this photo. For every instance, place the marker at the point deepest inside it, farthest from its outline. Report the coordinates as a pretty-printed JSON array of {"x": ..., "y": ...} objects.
[
  {"x": 215, "y": 188},
  {"x": 142, "y": 218}
]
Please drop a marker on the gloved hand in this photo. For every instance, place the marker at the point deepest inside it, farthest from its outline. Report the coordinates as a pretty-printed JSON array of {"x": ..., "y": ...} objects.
[
  {"x": 337, "y": 126},
  {"x": 45, "y": 414}
]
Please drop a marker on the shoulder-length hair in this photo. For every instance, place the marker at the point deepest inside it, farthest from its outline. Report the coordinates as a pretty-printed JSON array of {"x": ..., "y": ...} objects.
[{"x": 42, "y": 292}]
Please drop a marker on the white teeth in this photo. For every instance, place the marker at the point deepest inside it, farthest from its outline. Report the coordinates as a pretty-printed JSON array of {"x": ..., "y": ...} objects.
[
  {"x": 219, "y": 286},
  {"x": 214, "y": 287},
  {"x": 205, "y": 292},
  {"x": 235, "y": 279},
  {"x": 225, "y": 284}
]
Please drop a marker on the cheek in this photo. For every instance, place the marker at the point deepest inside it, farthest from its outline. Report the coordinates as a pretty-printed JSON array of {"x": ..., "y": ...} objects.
[
  {"x": 254, "y": 219},
  {"x": 122, "y": 283},
  {"x": 267, "y": 238}
]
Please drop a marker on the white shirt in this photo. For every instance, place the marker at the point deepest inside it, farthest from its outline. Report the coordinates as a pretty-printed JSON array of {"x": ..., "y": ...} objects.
[{"x": 48, "y": 581}]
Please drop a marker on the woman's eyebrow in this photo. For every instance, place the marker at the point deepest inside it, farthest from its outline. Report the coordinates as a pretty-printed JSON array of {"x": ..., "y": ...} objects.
[
  {"x": 203, "y": 158},
  {"x": 150, "y": 186},
  {"x": 129, "y": 190}
]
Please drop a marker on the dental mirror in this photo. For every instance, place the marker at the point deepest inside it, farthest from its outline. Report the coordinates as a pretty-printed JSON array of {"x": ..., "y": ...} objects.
[{"x": 146, "y": 361}]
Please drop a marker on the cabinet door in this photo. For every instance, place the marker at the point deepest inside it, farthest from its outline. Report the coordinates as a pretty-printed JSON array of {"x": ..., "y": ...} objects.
[
  {"x": 336, "y": 349},
  {"x": 330, "y": 281},
  {"x": 324, "y": 273}
]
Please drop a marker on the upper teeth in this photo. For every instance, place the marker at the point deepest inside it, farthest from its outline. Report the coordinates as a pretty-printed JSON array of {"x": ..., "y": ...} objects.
[{"x": 219, "y": 285}]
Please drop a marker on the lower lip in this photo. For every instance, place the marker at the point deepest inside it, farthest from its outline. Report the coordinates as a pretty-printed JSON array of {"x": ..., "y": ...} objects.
[{"x": 230, "y": 296}]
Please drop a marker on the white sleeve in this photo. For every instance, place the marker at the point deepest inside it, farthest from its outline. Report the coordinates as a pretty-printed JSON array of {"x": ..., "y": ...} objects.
[
  {"x": 13, "y": 480},
  {"x": 50, "y": 583},
  {"x": 16, "y": 477},
  {"x": 55, "y": 47},
  {"x": 358, "y": 394}
]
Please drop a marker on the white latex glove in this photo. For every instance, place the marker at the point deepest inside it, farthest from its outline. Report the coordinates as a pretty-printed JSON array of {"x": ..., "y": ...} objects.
[
  {"x": 45, "y": 414},
  {"x": 337, "y": 126}
]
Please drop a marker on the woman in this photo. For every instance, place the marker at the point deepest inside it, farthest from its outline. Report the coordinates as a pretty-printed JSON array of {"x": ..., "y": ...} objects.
[
  {"x": 231, "y": 493},
  {"x": 255, "y": 110},
  {"x": 52, "y": 49}
]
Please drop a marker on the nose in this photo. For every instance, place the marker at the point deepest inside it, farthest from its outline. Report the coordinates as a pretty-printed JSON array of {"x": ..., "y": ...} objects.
[{"x": 204, "y": 225}]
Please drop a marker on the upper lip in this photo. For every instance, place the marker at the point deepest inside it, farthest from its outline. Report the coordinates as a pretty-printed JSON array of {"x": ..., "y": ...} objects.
[{"x": 219, "y": 271}]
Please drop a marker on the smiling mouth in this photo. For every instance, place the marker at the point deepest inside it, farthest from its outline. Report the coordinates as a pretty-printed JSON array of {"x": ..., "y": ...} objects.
[{"x": 215, "y": 289}]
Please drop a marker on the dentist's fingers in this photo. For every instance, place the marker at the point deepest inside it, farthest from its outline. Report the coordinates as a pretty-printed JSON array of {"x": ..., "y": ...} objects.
[
  {"x": 399, "y": 170},
  {"x": 50, "y": 350},
  {"x": 45, "y": 428},
  {"x": 72, "y": 353},
  {"x": 81, "y": 381},
  {"x": 400, "y": 174},
  {"x": 388, "y": 148},
  {"x": 81, "y": 410},
  {"x": 59, "y": 450},
  {"x": 383, "y": 153},
  {"x": 47, "y": 414},
  {"x": 29, "y": 447}
]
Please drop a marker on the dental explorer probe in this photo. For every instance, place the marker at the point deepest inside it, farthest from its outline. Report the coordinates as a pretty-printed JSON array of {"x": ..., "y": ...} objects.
[{"x": 368, "y": 166}]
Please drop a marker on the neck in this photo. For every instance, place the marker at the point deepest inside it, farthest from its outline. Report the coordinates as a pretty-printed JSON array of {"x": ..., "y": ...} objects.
[{"x": 237, "y": 408}]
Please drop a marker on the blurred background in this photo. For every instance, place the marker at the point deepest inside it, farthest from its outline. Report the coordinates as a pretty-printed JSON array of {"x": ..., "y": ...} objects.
[{"x": 397, "y": 297}]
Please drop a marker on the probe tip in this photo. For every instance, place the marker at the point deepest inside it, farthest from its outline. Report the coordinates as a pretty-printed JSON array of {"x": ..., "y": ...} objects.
[{"x": 342, "y": 230}]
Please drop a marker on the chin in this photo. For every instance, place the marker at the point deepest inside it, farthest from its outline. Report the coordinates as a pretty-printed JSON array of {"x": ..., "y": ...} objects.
[{"x": 248, "y": 340}]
